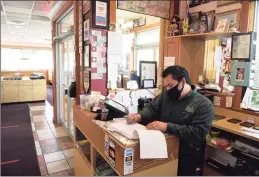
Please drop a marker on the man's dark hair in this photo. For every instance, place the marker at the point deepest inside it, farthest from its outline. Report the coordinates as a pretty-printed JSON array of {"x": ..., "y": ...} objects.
[{"x": 177, "y": 72}]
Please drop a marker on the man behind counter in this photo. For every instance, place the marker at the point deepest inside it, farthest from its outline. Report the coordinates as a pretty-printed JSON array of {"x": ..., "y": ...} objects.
[{"x": 182, "y": 111}]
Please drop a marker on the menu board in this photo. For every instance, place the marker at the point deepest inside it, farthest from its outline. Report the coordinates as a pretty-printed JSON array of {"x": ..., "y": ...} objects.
[{"x": 153, "y": 8}]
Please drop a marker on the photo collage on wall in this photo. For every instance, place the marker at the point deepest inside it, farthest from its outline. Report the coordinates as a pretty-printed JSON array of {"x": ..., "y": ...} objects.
[{"x": 98, "y": 39}]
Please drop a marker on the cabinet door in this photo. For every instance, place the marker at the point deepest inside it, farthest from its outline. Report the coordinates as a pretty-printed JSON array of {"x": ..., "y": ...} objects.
[
  {"x": 10, "y": 94},
  {"x": 2, "y": 95},
  {"x": 81, "y": 169},
  {"x": 39, "y": 92},
  {"x": 172, "y": 48},
  {"x": 25, "y": 93}
]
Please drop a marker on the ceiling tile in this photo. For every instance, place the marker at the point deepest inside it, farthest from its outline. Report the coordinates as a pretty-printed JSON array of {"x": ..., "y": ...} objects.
[
  {"x": 19, "y": 4},
  {"x": 15, "y": 14},
  {"x": 17, "y": 10}
]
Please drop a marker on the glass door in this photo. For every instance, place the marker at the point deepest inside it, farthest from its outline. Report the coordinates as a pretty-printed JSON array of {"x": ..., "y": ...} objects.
[
  {"x": 66, "y": 76},
  {"x": 65, "y": 60}
]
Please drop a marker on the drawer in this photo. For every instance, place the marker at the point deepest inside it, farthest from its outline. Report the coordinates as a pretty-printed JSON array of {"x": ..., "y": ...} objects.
[
  {"x": 39, "y": 82},
  {"x": 11, "y": 83},
  {"x": 26, "y": 83}
]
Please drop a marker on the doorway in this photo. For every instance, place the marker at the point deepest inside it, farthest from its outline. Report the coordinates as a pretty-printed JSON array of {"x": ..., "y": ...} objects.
[{"x": 65, "y": 71}]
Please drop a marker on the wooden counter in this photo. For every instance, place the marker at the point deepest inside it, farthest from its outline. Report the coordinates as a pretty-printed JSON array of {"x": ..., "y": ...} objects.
[
  {"x": 23, "y": 90},
  {"x": 235, "y": 128},
  {"x": 96, "y": 131}
]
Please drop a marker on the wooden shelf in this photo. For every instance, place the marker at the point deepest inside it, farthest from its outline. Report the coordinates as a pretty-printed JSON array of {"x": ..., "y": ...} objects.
[
  {"x": 203, "y": 36},
  {"x": 219, "y": 93},
  {"x": 87, "y": 162}
]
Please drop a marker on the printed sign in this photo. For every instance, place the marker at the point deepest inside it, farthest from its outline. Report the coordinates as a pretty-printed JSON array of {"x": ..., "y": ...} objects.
[
  {"x": 86, "y": 29},
  {"x": 106, "y": 145},
  {"x": 112, "y": 153},
  {"x": 101, "y": 13},
  {"x": 128, "y": 161}
]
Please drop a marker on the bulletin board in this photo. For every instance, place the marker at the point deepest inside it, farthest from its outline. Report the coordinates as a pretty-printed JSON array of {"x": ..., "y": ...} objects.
[
  {"x": 98, "y": 40},
  {"x": 153, "y": 8}
]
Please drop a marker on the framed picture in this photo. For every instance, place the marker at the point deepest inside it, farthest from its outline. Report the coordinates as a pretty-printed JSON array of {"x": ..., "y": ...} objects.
[
  {"x": 141, "y": 21},
  {"x": 243, "y": 46},
  {"x": 147, "y": 70},
  {"x": 101, "y": 9},
  {"x": 240, "y": 74},
  {"x": 86, "y": 6},
  {"x": 233, "y": 18},
  {"x": 87, "y": 56},
  {"x": 159, "y": 9},
  {"x": 135, "y": 23},
  {"x": 86, "y": 29},
  {"x": 222, "y": 25}
]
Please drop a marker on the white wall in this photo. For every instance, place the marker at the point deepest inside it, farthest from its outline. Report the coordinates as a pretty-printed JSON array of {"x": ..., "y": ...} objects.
[{"x": 37, "y": 59}]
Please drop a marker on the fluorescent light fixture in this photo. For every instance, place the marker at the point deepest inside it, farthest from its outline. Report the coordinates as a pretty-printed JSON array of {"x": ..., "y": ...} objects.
[
  {"x": 18, "y": 33},
  {"x": 17, "y": 26},
  {"x": 17, "y": 23}
]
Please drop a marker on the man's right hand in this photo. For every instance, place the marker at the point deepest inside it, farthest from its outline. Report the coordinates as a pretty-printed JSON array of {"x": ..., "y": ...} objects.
[{"x": 133, "y": 118}]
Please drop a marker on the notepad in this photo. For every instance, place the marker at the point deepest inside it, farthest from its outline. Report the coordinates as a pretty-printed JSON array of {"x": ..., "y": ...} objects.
[
  {"x": 127, "y": 130},
  {"x": 152, "y": 142}
]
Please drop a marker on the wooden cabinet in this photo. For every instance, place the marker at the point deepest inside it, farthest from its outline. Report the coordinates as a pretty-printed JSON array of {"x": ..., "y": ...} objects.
[
  {"x": 11, "y": 93},
  {"x": 39, "y": 93},
  {"x": 2, "y": 94},
  {"x": 172, "y": 48},
  {"x": 23, "y": 90},
  {"x": 188, "y": 53},
  {"x": 81, "y": 169},
  {"x": 25, "y": 93}
]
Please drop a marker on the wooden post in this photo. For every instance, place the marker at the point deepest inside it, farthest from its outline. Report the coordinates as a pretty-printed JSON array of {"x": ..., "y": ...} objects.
[
  {"x": 243, "y": 28},
  {"x": 113, "y": 12},
  {"x": 77, "y": 55}
]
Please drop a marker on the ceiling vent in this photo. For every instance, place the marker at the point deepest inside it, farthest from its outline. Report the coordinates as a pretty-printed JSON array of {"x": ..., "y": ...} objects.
[{"x": 17, "y": 23}]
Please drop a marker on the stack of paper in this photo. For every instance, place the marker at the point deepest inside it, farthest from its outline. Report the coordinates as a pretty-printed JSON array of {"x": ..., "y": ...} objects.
[{"x": 152, "y": 142}]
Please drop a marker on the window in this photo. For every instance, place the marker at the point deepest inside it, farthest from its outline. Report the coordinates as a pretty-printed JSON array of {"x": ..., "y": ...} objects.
[
  {"x": 24, "y": 59},
  {"x": 146, "y": 47}
]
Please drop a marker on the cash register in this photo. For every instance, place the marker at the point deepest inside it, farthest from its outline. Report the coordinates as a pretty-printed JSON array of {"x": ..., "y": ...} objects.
[{"x": 113, "y": 109}]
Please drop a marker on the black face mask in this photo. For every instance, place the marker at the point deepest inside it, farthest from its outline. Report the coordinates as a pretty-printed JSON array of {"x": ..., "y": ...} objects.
[{"x": 174, "y": 93}]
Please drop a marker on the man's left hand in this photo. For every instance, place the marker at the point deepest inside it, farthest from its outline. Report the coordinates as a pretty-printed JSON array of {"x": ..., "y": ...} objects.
[{"x": 157, "y": 125}]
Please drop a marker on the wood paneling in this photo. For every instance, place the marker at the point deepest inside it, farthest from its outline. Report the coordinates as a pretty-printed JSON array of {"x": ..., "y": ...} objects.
[
  {"x": 77, "y": 55},
  {"x": 192, "y": 57},
  {"x": 161, "y": 52},
  {"x": 171, "y": 49},
  {"x": 113, "y": 8}
]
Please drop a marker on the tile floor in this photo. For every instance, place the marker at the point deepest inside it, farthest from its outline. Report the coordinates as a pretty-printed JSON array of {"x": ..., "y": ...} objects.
[{"x": 55, "y": 149}]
